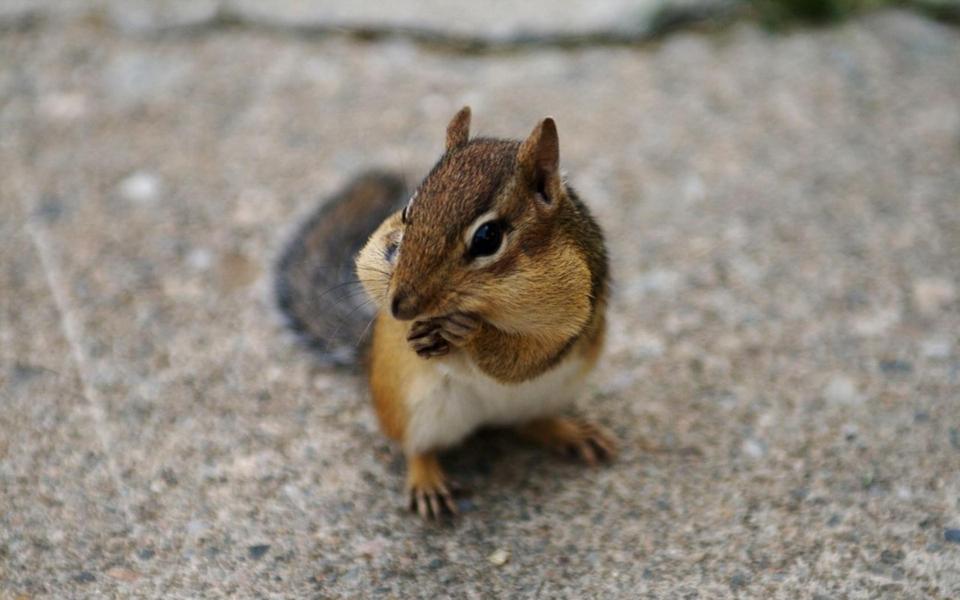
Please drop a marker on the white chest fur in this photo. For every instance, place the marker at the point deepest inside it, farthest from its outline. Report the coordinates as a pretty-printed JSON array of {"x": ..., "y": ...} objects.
[{"x": 453, "y": 398}]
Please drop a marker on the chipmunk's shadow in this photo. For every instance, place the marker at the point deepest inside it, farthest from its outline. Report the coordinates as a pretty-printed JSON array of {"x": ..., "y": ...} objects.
[{"x": 499, "y": 471}]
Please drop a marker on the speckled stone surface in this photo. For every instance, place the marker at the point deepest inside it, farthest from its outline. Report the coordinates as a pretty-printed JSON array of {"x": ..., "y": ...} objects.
[{"x": 783, "y": 366}]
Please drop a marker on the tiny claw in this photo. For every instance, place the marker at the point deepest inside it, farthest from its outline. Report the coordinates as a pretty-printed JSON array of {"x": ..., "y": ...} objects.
[
  {"x": 457, "y": 329},
  {"x": 451, "y": 337},
  {"x": 420, "y": 329},
  {"x": 437, "y": 349},
  {"x": 454, "y": 329},
  {"x": 434, "y": 505},
  {"x": 466, "y": 321},
  {"x": 422, "y": 507},
  {"x": 448, "y": 502},
  {"x": 601, "y": 440},
  {"x": 603, "y": 448},
  {"x": 423, "y": 342},
  {"x": 587, "y": 453}
]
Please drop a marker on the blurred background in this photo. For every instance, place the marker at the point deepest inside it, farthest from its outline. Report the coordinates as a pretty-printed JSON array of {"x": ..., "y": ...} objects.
[{"x": 780, "y": 185}]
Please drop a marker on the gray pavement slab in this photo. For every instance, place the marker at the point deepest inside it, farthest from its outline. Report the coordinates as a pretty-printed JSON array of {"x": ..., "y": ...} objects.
[{"x": 783, "y": 365}]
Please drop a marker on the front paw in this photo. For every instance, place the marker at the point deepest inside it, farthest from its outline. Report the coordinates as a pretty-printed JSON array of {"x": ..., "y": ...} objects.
[
  {"x": 427, "y": 343},
  {"x": 434, "y": 337}
]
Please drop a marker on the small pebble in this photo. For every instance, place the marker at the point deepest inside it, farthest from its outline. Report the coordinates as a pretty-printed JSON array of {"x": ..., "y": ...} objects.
[
  {"x": 850, "y": 432},
  {"x": 140, "y": 187},
  {"x": 952, "y": 535},
  {"x": 146, "y": 554},
  {"x": 842, "y": 390},
  {"x": 935, "y": 348},
  {"x": 64, "y": 106},
  {"x": 932, "y": 294},
  {"x": 200, "y": 259},
  {"x": 891, "y": 557},
  {"x": 754, "y": 448},
  {"x": 121, "y": 574},
  {"x": 196, "y": 527},
  {"x": 894, "y": 367},
  {"x": 499, "y": 558},
  {"x": 84, "y": 577},
  {"x": 739, "y": 580},
  {"x": 875, "y": 323},
  {"x": 257, "y": 551}
]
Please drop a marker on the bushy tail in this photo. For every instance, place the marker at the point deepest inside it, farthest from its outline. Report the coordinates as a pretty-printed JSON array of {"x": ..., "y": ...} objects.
[{"x": 316, "y": 286}]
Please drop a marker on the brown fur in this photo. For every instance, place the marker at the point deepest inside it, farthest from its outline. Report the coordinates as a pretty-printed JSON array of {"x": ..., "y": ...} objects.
[
  {"x": 542, "y": 294},
  {"x": 391, "y": 361},
  {"x": 543, "y": 298}
]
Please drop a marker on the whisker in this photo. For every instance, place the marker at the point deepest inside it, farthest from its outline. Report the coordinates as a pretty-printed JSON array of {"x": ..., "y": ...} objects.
[
  {"x": 348, "y": 298},
  {"x": 365, "y": 329},
  {"x": 346, "y": 319},
  {"x": 373, "y": 270},
  {"x": 338, "y": 286},
  {"x": 378, "y": 292}
]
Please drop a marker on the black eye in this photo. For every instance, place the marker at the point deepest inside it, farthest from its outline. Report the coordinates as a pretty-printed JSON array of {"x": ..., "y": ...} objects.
[{"x": 487, "y": 239}]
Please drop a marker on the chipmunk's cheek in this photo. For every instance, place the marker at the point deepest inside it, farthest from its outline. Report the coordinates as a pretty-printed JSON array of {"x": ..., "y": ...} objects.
[
  {"x": 470, "y": 302},
  {"x": 488, "y": 300},
  {"x": 374, "y": 270}
]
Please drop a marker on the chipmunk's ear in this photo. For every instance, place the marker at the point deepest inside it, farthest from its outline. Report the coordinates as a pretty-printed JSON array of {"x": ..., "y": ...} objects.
[
  {"x": 458, "y": 131},
  {"x": 539, "y": 163}
]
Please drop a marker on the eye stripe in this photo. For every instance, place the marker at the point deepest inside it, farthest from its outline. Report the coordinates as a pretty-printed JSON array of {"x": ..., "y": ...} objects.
[
  {"x": 390, "y": 252},
  {"x": 404, "y": 218},
  {"x": 490, "y": 215}
]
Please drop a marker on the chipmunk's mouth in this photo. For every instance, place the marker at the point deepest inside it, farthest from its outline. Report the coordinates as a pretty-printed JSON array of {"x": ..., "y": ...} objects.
[{"x": 405, "y": 304}]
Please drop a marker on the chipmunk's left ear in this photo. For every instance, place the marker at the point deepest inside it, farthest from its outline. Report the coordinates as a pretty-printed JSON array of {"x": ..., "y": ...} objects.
[
  {"x": 539, "y": 163},
  {"x": 458, "y": 131}
]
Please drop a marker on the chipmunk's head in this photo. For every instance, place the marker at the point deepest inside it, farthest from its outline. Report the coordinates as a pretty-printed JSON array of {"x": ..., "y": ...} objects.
[{"x": 484, "y": 234}]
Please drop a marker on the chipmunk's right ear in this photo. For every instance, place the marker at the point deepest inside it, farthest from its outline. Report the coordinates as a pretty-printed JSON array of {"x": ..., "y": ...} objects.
[
  {"x": 458, "y": 131},
  {"x": 539, "y": 162}
]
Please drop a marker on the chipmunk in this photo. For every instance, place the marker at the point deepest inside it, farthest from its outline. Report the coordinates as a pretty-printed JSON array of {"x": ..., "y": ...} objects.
[{"x": 490, "y": 287}]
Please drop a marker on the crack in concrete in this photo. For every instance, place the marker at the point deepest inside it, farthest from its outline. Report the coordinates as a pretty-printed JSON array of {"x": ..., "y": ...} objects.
[
  {"x": 664, "y": 21},
  {"x": 72, "y": 332}
]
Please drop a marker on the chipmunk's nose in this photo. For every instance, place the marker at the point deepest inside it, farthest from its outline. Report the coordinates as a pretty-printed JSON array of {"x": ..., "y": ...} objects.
[{"x": 404, "y": 305}]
